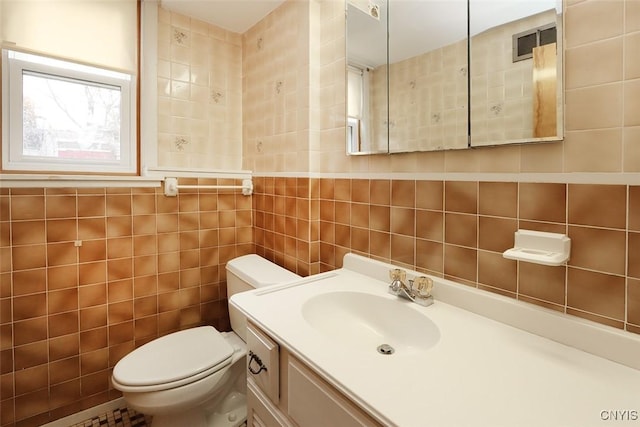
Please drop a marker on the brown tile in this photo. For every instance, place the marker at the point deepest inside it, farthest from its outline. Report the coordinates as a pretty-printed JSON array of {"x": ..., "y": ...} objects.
[
  {"x": 119, "y": 226},
  {"x": 63, "y": 253},
  {"x": 403, "y": 249},
  {"x": 597, "y": 249},
  {"x": 118, "y": 204},
  {"x": 380, "y": 218},
  {"x": 120, "y": 311},
  {"x": 430, "y": 225},
  {"x": 360, "y": 239},
  {"x": 634, "y": 208},
  {"x": 403, "y": 221},
  {"x": 93, "y": 317},
  {"x": 63, "y": 300},
  {"x": 543, "y": 202},
  {"x": 91, "y": 228},
  {"x": 120, "y": 333},
  {"x": 89, "y": 206},
  {"x": 95, "y": 383},
  {"x": 118, "y": 269},
  {"x": 633, "y": 301},
  {"x": 429, "y": 255},
  {"x": 497, "y": 272},
  {"x": 64, "y": 370},
  {"x": 64, "y": 347},
  {"x": 144, "y": 224},
  {"x": 343, "y": 235},
  {"x": 598, "y": 205},
  {"x": 26, "y": 356},
  {"x": 169, "y": 205},
  {"x": 92, "y": 250},
  {"x": 28, "y": 257},
  {"x": 92, "y": 272},
  {"x": 93, "y": 339},
  {"x": 598, "y": 293},
  {"x": 29, "y": 331},
  {"x": 170, "y": 242},
  {"x": 94, "y": 361},
  {"x": 31, "y": 379},
  {"x": 542, "y": 282},
  {"x": 403, "y": 193},
  {"x": 461, "y": 229},
  {"x": 461, "y": 196},
  {"x": 28, "y": 232},
  {"x": 145, "y": 286},
  {"x": 167, "y": 223},
  {"x": 27, "y": 307},
  {"x": 460, "y": 262},
  {"x": 496, "y": 234},
  {"x": 63, "y": 324},
  {"x": 64, "y": 399},
  {"x": 342, "y": 189},
  {"x": 92, "y": 295},
  {"x": 380, "y": 192},
  {"x": 147, "y": 306},
  {"x": 498, "y": 199},
  {"x": 144, "y": 245},
  {"x": 143, "y": 204},
  {"x": 60, "y": 206},
  {"x": 542, "y": 226},
  {"x": 430, "y": 195},
  {"x": 120, "y": 247},
  {"x": 27, "y": 207},
  {"x": 29, "y": 281},
  {"x": 188, "y": 221},
  {"x": 29, "y": 404},
  {"x": 379, "y": 243},
  {"x": 146, "y": 327},
  {"x": 360, "y": 190},
  {"x": 342, "y": 212},
  {"x": 633, "y": 255}
]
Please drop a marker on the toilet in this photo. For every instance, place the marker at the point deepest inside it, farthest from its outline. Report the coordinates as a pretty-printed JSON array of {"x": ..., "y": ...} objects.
[{"x": 197, "y": 377}]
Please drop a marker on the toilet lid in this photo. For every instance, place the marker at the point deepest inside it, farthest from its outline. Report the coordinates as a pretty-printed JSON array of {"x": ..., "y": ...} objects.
[{"x": 174, "y": 357}]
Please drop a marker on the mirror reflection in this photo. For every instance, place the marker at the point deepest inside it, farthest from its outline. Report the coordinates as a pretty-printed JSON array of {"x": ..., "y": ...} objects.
[
  {"x": 424, "y": 90},
  {"x": 516, "y": 91}
]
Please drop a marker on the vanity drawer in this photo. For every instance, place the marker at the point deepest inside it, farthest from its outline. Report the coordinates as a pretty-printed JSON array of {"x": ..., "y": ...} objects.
[
  {"x": 315, "y": 403},
  {"x": 263, "y": 364}
]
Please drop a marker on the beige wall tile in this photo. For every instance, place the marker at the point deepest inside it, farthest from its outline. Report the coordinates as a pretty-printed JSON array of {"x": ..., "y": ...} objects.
[
  {"x": 594, "y": 107},
  {"x": 593, "y": 151},
  {"x": 595, "y": 63},
  {"x": 593, "y": 20}
]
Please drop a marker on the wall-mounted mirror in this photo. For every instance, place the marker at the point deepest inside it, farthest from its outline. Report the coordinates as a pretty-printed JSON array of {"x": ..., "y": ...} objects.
[
  {"x": 418, "y": 100},
  {"x": 367, "y": 95},
  {"x": 516, "y": 71}
]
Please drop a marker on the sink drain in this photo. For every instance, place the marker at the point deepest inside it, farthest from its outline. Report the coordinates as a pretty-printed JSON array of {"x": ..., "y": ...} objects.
[{"x": 385, "y": 349}]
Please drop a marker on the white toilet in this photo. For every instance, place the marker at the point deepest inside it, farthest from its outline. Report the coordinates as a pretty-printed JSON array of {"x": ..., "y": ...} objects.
[{"x": 197, "y": 377}]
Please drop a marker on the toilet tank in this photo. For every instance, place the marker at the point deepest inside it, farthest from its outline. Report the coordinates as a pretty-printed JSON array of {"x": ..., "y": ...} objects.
[{"x": 250, "y": 272}]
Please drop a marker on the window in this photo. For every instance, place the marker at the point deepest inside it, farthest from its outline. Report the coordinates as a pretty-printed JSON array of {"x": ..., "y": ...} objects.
[
  {"x": 525, "y": 42},
  {"x": 67, "y": 117}
]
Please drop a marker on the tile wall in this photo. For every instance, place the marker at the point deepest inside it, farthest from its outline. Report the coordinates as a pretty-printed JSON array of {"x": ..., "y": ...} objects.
[
  {"x": 199, "y": 94},
  {"x": 87, "y": 275},
  {"x": 459, "y": 229}
]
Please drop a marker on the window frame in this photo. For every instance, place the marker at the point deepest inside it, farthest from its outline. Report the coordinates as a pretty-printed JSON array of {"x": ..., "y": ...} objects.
[{"x": 13, "y": 67}]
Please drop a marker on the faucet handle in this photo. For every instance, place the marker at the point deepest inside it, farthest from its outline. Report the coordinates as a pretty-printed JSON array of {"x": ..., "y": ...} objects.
[
  {"x": 397, "y": 274},
  {"x": 423, "y": 285}
]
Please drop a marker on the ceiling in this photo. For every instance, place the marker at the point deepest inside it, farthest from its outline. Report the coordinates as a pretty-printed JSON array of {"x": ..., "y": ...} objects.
[{"x": 233, "y": 15}]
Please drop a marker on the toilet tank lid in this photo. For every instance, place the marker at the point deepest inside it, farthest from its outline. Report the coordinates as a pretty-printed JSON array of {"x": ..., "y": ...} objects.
[{"x": 259, "y": 272}]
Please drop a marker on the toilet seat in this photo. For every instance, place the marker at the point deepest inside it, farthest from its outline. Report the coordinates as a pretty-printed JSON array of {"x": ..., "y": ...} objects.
[{"x": 173, "y": 360}]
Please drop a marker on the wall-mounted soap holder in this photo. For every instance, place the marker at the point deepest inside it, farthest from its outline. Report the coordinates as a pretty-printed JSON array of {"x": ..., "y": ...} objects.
[{"x": 540, "y": 247}]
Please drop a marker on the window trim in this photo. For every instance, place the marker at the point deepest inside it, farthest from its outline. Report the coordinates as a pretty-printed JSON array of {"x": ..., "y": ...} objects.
[{"x": 12, "y": 73}]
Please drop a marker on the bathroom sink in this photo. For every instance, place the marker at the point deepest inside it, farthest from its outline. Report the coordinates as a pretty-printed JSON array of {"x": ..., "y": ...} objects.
[{"x": 362, "y": 321}]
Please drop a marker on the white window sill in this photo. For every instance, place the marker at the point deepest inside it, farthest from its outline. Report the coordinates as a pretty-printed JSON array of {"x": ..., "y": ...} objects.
[{"x": 80, "y": 181}]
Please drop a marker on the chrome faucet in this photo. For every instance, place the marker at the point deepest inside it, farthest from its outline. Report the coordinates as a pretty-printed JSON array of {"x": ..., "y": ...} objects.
[{"x": 418, "y": 290}]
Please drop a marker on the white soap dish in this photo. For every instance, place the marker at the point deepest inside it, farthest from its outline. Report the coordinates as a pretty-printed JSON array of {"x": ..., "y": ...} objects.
[{"x": 540, "y": 247}]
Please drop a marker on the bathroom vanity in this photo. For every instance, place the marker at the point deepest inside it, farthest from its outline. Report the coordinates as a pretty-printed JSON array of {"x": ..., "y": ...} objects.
[{"x": 337, "y": 349}]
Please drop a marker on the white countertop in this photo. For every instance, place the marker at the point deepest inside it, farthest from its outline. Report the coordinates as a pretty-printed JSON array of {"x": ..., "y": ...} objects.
[{"x": 480, "y": 373}]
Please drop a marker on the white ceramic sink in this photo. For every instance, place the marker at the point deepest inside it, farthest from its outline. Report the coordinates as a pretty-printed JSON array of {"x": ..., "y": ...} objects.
[{"x": 364, "y": 321}]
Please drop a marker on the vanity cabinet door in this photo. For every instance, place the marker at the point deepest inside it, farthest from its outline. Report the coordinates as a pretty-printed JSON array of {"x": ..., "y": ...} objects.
[
  {"x": 315, "y": 403},
  {"x": 263, "y": 362},
  {"x": 260, "y": 411}
]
